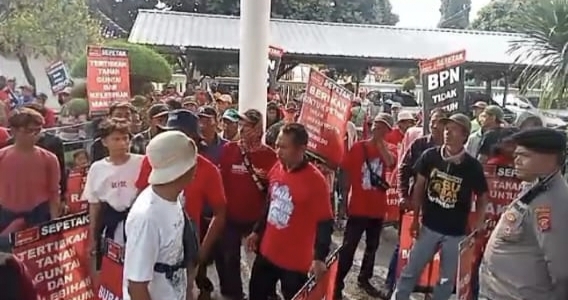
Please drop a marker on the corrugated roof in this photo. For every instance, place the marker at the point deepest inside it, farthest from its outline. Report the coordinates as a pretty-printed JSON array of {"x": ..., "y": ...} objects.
[{"x": 220, "y": 32}]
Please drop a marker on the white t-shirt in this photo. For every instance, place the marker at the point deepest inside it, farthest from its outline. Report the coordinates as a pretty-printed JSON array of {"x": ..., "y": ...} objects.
[
  {"x": 154, "y": 230},
  {"x": 115, "y": 185}
]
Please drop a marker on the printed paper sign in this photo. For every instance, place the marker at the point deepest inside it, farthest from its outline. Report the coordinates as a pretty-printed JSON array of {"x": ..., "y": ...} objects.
[
  {"x": 274, "y": 59},
  {"x": 325, "y": 113},
  {"x": 443, "y": 84},
  {"x": 58, "y": 77},
  {"x": 75, "y": 187},
  {"x": 110, "y": 286},
  {"x": 57, "y": 257},
  {"x": 108, "y": 77},
  {"x": 466, "y": 260},
  {"x": 324, "y": 288}
]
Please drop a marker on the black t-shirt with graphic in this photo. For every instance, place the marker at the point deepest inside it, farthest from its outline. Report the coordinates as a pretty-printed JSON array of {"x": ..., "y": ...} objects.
[{"x": 449, "y": 191}]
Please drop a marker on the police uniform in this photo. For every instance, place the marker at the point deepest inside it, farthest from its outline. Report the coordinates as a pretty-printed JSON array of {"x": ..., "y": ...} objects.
[{"x": 526, "y": 257}]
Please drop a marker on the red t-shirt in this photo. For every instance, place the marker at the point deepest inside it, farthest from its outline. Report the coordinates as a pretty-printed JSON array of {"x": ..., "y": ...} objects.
[
  {"x": 299, "y": 200},
  {"x": 365, "y": 200},
  {"x": 245, "y": 202},
  {"x": 49, "y": 118},
  {"x": 206, "y": 186},
  {"x": 4, "y": 136},
  {"x": 394, "y": 137}
]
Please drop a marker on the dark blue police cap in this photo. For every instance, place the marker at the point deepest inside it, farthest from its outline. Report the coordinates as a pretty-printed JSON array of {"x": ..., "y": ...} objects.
[
  {"x": 183, "y": 120},
  {"x": 541, "y": 140}
]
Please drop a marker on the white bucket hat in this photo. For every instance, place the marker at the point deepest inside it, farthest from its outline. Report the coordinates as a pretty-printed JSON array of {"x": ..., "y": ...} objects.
[
  {"x": 405, "y": 116},
  {"x": 171, "y": 154}
]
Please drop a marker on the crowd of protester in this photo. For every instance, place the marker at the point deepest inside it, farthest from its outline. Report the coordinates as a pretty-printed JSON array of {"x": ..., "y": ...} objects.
[{"x": 187, "y": 178}]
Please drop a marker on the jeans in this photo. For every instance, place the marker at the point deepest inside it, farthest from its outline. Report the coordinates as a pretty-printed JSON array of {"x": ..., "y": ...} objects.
[
  {"x": 391, "y": 275},
  {"x": 265, "y": 275},
  {"x": 201, "y": 280},
  {"x": 232, "y": 284},
  {"x": 354, "y": 230},
  {"x": 421, "y": 254}
]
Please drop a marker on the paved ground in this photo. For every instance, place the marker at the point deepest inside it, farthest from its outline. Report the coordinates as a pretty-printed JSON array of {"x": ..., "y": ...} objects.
[{"x": 388, "y": 242}]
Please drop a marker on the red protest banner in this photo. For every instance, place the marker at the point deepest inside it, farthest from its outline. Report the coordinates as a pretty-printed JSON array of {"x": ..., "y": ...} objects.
[
  {"x": 110, "y": 276},
  {"x": 57, "y": 257},
  {"x": 108, "y": 77},
  {"x": 75, "y": 187},
  {"x": 431, "y": 272},
  {"x": 324, "y": 288},
  {"x": 324, "y": 113},
  {"x": 466, "y": 259}
]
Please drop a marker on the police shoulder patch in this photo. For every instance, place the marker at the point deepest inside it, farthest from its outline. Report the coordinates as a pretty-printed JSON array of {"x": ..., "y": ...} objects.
[{"x": 543, "y": 214}]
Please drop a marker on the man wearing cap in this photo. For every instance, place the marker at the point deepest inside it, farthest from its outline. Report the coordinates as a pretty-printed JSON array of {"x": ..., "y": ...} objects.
[
  {"x": 208, "y": 125},
  {"x": 230, "y": 121},
  {"x": 395, "y": 109},
  {"x": 289, "y": 116},
  {"x": 273, "y": 113},
  {"x": 405, "y": 121},
  {"x": 161, "y": 248},
  {"x": 157, "y": 115},
  {"x": 477, "y": 108},
  {"x": 27, "y": 94},
  {"x": 365, "y": 166},
  {"x": 48, "y": 113},
  {"x": 224, "y": 102},
  {"x": 525, "y": 257},
  {"x": 206, "y": 190},
  {"x": 491, "y": 118},
  {"x": 446, "y": 179}
]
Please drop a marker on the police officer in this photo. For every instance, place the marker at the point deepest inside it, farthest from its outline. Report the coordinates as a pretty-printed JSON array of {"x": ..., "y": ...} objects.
[{"x": 526, "y": 256}]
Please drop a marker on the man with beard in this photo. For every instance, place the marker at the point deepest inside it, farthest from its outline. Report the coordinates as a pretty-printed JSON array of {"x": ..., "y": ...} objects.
[
  {"x": 298, "y": 217},
  {"x": 244, "y": 167},
  {"x": 446, "y": 178}
]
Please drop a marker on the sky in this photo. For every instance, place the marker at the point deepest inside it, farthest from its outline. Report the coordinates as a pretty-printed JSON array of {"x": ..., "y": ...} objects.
[{"x": 426, "y": 13}]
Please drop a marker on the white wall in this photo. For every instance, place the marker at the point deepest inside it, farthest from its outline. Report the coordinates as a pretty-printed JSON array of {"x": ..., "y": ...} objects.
[{"x": 10, "y": 67}]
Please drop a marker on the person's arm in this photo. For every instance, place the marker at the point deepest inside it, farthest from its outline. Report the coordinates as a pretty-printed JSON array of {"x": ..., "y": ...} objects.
[
  {"x": 481, "y": 190},
  {"x": 387, "y": 156},
  {"x": 218, "y": 202},
  {"x": 89, "y": 194},
  {"x": 422, "y": 170},
  {"x": 59, "y": 151},
  {"x": 550, "y": 224},
  {"x": 53, "y": 177},
  {"x": 323, "y": 212},
  {"x": 142, "y": 180},
  {"x": 405, "y": 172},
  {"x": 140, "y": 255}
]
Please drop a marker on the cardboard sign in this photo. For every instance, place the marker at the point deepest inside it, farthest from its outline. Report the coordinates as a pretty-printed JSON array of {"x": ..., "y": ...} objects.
[
  {"x": 110, "y": 276},
  {"x": 274, "y": 59},
  {"x": 466, "y": 261},
  {"x": 58, "y": 77},
  {"x": 57, "y": 257},
  {"x": 325, "y": 113},
  {"x": 324, "y": 288},
  {"x": 431, "y": 273},
  {"x": 443, "y": 84},
  {"x": 108, "y": 77},
  {"x": 75, "y": 186}
]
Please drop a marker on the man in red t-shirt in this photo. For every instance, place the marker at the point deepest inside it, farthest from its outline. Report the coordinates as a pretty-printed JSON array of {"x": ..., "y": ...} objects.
[
  {"x": 298, "y": 217},
  {"x": 405, "y": 120},
  {"x": 244, "y": 165},
  {"x": 365, "y": 166},
  {"x": 206, "y": 188}
]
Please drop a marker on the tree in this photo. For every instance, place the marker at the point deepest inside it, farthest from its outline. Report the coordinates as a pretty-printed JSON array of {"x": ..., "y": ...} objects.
[
  {"x": 500, "y": 15},
  {"x": 146, "y": 65},
  {"x": 542, "y": 49},
  {"x": 56, "y": 29},
  {"x": 454, "y": 14},
  {"x": 364, "y": 12}
]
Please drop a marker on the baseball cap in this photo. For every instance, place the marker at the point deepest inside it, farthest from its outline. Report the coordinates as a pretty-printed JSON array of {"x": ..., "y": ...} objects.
[
  {"x": 171, "y": 154},
  {"x": 385, "y": 119},
  {"x": 231, "y": 114},
  {"x": 541, "y": 140},
  {"x": 459, "y": 119},
  {"x": 396, "y": 105},
  {"x": 207, "y": 112},
  {"x": 158, "y": 110},
  {"x": 251, "y": 116},
  {"x": 184, "y": 120},
  {"x": 479, "y": 104},
  {"x": 405, "y": 116},
  {"x": 225, "y": 98},
  {"x": 495, "y": 111}
]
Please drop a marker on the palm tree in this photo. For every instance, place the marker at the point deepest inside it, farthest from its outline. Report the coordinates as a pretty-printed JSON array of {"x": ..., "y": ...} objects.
[{"x": 543, "y": 50}]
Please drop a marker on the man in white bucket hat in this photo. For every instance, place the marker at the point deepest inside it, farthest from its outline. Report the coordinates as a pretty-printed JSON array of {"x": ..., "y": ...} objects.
[{"x": 160, "y": 254}]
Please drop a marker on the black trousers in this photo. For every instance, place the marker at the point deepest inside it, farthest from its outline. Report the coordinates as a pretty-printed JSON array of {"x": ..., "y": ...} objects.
[
  {"x": 354, "y": 230},
  {"x": 265, "y": 275},
  {"x": 201, "y": 280},
  {"x": 232, "y": 283}
]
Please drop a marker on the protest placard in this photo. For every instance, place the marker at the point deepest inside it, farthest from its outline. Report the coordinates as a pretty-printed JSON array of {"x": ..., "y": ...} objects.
[
  {"x": 324, "y": 288},
  {"x": 466, "y": 260},
  {"x": 110, "y": 282},
  {"x": 325, "y": 113},
  {"x": 57, "y": 257},
  {"x": 274, "y": 59},
  {"x": 431, "y": 273},
  {"x": 443, "y": 84},
  {"x": 75, "y": 186},
  {"x": 108, "y": 77},
  {"x": 58, "y": 77}
]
